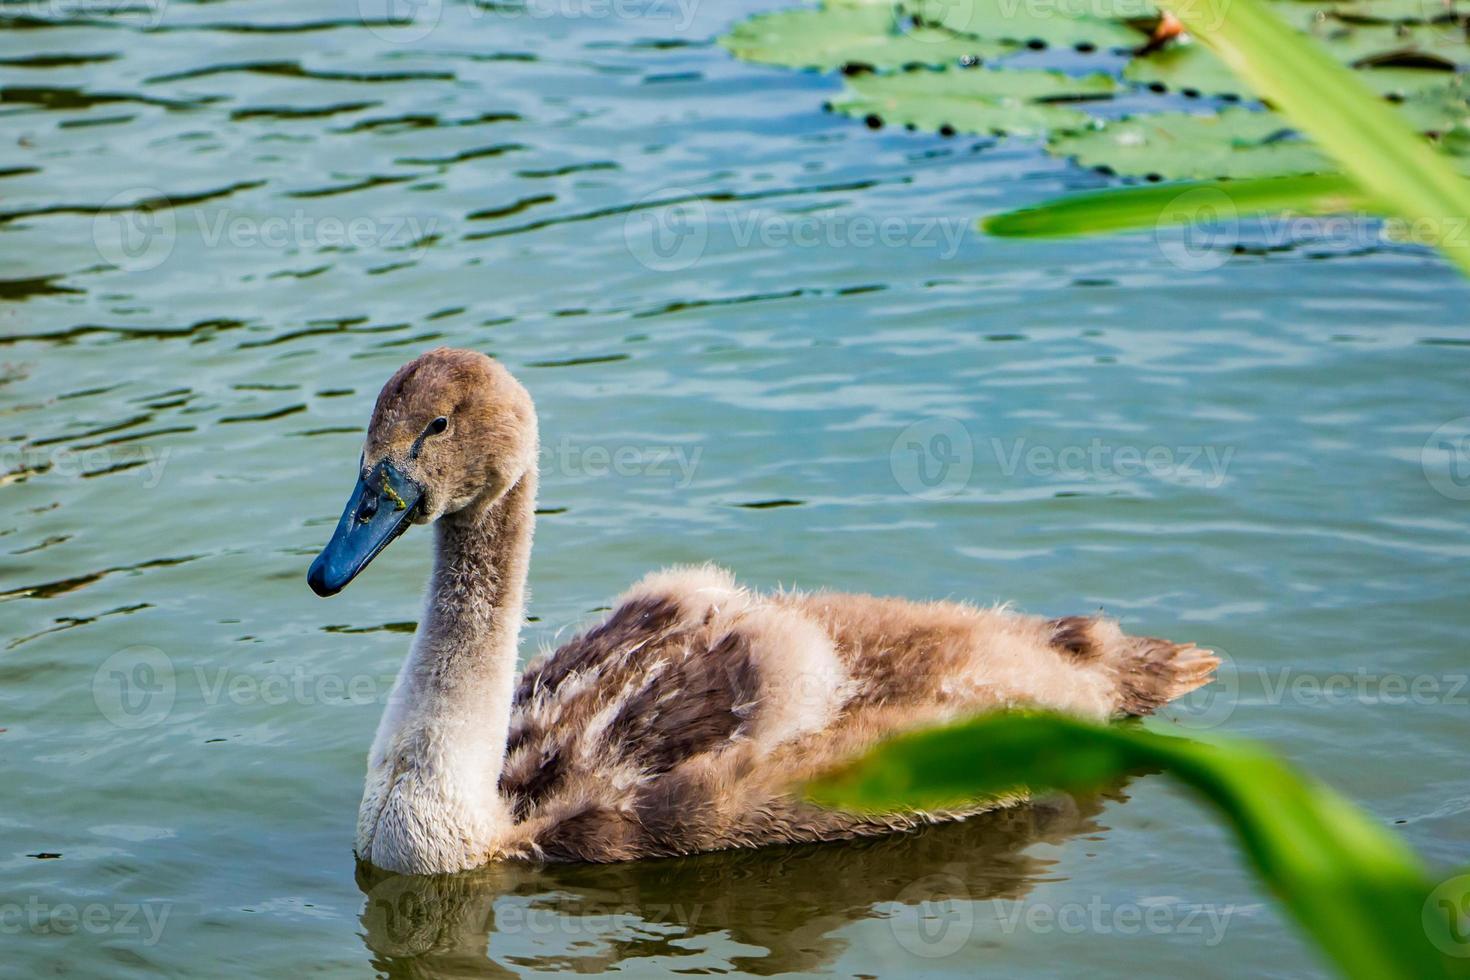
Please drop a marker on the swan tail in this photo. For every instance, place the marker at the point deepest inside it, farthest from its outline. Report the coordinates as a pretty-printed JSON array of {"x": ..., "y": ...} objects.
[{"x": 1149, "y": 671}]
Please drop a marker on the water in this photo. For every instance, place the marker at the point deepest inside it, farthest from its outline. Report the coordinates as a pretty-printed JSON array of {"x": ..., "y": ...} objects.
[{"x": 677, "y": 253}]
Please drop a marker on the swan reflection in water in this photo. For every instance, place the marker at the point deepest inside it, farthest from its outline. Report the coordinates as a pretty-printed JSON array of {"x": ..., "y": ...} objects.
[{"x": 783, "y": 906}]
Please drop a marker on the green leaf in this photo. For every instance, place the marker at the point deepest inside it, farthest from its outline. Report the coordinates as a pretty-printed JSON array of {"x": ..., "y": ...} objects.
[
  {"x": 1023, "y": 102},
  {"x": 1351, "y": 885},
  {"x": 1046, "y": 22},
  {"x": 851, "y": 34},
  {"x": 1192, "y": 202},
  {"x": 1340, "y": 113},
  {"x": 1178, "y": 145}
]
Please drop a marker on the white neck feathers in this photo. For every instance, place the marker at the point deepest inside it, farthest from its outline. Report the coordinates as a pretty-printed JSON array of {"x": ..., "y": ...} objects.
[{"x": 431, "y": 800}]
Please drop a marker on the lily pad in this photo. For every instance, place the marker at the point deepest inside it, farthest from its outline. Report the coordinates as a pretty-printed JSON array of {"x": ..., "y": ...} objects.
[
  {"x": 1373, "y": 11},
  {"x": 1191, "y": 68},
  {"x": 1439, "y": 110},
  {"x": 1401, "y": 84},
  {"x": 1016, "y": 101},
  {"x": 1178, "y": 146},
  {"x": 851, "y": 33},
  {"x": 1380, "y": 43},
  {"x": 1048, "y": 23}
]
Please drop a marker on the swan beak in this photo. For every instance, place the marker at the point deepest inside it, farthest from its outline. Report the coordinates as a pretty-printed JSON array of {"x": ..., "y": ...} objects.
[{"x": 381, "y": 507}]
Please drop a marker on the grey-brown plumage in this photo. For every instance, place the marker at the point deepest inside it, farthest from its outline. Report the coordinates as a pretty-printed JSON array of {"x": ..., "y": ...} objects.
[
  {"x": 683, "y": 720},
  {"x": 643, "y": 736}
]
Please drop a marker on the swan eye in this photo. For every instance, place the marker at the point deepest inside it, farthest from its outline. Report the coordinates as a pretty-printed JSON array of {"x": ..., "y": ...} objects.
[{"x": 437, "y": 426}]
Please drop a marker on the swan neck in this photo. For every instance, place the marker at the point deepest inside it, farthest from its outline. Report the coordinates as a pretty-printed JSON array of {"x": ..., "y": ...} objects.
[
  {"x": 477, "y": 593},
  {"x": 431, "y": 800},
  {"x": 465, "y": 656}
]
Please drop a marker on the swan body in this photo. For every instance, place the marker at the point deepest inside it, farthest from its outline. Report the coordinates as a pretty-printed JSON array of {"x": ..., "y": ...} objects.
[{"x": 680, "y": 722}]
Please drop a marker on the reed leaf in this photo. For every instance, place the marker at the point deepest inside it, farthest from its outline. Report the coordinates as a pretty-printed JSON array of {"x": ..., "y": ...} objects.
[{"x": 1348, "y": 882}]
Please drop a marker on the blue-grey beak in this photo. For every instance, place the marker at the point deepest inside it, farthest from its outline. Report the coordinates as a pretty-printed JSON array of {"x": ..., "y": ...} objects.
[{"x": 380, "y": 509}]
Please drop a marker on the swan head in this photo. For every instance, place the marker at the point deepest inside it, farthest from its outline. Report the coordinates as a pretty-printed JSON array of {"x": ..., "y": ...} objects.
[{"x": 450, "y": 434}]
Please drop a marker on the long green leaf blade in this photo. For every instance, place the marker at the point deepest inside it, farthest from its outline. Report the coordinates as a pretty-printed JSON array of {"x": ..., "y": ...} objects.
[
  {"x": 1354, "y": 887},
  {"x": 1186, "y": 202}
]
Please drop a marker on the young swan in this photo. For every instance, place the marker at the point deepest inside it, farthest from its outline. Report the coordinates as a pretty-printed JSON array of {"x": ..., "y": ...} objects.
[{"x": 680, "y": 722}]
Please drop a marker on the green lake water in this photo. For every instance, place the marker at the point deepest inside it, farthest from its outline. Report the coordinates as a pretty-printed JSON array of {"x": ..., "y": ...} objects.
[{"x": 756, "y": 333}]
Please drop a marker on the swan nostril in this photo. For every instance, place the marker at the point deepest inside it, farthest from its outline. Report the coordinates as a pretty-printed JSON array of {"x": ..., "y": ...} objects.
[{"x": 368, "y": 509}]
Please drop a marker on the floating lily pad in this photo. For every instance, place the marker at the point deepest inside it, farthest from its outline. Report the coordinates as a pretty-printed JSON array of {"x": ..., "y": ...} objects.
[
  {"x": 1406, "y": 83},
  {"x": 1373, "y": 11},
  {"x": 1179, "y": 146},
  {"x": 1187, "y": 67},
  {"x": 851, "y": 33},
  {"x": 1049, "y": 23},
  {"x": 1191, "y": 68},
  {"x": 1439, "y": 110},
  {"x": 1022, "y": 102},
  {"x": 1456, "y": 142},
  {"x": 1385, "y": 44}
]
